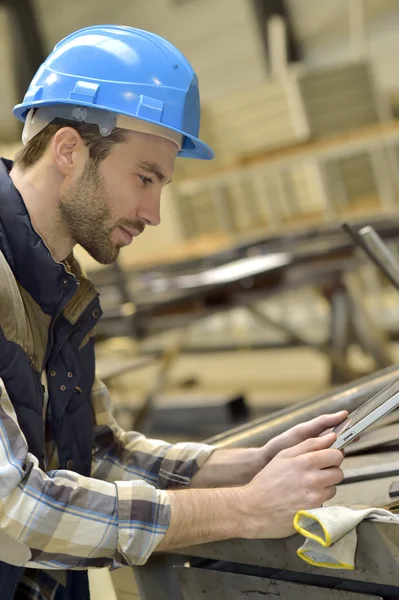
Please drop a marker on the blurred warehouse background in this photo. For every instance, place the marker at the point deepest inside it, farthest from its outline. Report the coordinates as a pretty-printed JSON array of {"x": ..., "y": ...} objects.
[{"x": 249, "y": 296}]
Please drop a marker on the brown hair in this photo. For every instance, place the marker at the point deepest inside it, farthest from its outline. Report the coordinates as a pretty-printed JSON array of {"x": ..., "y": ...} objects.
[{"x": 99, "y": 146}]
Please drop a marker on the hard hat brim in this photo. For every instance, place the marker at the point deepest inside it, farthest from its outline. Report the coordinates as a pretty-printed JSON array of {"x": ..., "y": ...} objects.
[{"x": 192, "y": 147}]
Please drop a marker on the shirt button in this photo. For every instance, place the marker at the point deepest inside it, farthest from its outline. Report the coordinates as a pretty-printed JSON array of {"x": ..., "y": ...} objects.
[
  {"x": 69, "y": 464},
  {"x": 95, "y": 313},
  {"x": 63, "y": 388},
  {"x": 65, "y": 282},
  {"x": 52, "y": 373},
  {"x": 70, "y": 375}
]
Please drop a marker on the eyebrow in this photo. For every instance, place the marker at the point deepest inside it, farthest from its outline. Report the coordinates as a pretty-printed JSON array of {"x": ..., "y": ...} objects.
[{"x": 153, "y": 168}]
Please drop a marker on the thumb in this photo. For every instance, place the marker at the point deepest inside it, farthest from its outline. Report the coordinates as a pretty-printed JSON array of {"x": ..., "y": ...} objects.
[{"x": 322, "y": 424}]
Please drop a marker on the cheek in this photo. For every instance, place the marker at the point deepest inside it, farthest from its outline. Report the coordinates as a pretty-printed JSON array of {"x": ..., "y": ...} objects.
[
  {"x": 118, "y": 186},
  {"x": 116, "y": 201},
  {"x": 126, "y": 199}
]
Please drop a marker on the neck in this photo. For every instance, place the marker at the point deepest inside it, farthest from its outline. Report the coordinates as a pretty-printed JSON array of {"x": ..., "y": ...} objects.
[{"x": 39, "y": 187}]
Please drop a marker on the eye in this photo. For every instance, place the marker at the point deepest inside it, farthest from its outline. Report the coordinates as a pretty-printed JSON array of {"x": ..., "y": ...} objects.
[{"x": 146, "y": 180}]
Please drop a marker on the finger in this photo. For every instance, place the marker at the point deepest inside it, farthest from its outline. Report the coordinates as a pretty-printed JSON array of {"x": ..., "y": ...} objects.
[
  {"x": 327, "y": 431},
  {"x": 311, "y": 445},
  {"x": 324, "y": 422},
  {"x": 329, "y": 493},
  {"x": 319, "y": 425},
  {"x": 326, "y": 458},
  {"x": 331, "y": 477}
]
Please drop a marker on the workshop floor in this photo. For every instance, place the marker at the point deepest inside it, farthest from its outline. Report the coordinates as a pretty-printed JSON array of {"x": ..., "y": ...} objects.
[{"x": 284, "y": 376}]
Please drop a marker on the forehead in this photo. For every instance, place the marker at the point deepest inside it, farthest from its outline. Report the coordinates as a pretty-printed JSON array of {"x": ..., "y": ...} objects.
[{"x": 145, "y": 147}]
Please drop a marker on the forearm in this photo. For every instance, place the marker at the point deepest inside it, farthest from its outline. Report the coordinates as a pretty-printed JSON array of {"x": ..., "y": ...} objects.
[
  {"x": 128, "y": 455},
  {"x": 81, "y": 522},
  {"x": 200, "y": 516},
  {"x": 65, "y": 521},
  {"x": 233, "y": 467}
]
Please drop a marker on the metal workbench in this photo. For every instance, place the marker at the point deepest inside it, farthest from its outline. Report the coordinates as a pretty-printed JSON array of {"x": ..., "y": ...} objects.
[{"x": 271, "y": 568}]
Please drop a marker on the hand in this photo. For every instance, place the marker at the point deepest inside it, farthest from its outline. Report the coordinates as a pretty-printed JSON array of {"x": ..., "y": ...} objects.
[
  {"x": 238, "y": 466},
  {"x": 298, "y": 478},
  {"x": 304, "y": 431}
]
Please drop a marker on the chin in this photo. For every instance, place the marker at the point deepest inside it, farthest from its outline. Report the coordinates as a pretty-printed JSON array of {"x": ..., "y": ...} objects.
[{"x": 104, "y": 256}]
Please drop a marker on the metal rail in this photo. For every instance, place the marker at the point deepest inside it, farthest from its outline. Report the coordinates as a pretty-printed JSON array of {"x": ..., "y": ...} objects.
[{"x": 346, "y": 397}]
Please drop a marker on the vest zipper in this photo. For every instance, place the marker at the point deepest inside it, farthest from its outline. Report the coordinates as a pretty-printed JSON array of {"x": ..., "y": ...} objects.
[
  {"x": 63, "y": 342},
  {"x": 53, "y": 323},
  {"x": 60, "y": 347}
]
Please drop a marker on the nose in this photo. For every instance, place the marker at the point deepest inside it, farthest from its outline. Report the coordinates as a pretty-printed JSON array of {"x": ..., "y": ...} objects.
[{"x": 150, "y": 211}]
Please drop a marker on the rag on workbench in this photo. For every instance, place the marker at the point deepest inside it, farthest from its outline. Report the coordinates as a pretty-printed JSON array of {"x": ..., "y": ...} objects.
[{"x": 330, "y": 532}]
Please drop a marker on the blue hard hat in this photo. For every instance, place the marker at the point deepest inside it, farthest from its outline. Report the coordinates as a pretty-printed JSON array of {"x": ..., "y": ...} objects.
[{"x": 123, "y": 71}]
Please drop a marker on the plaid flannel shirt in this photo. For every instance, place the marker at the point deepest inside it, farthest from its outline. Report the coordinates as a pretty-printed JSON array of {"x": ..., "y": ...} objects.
[{"x": 56, "y": 520}]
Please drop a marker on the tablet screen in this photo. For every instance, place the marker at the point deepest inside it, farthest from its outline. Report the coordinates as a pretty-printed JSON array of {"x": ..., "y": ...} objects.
[{"x": 368, "y": 407}]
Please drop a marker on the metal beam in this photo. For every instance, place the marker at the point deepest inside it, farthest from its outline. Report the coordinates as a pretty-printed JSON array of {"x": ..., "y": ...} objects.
[{"x": 346, "y": 397}]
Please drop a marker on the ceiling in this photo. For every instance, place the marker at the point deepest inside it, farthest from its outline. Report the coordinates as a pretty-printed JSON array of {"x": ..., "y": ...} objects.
[
  {"x": 323, "y": 21},
  {"x": 320, "y": 26}
]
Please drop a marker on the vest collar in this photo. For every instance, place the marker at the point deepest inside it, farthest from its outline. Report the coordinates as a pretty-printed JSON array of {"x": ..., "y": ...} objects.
[{"x": 49, "y": 282}]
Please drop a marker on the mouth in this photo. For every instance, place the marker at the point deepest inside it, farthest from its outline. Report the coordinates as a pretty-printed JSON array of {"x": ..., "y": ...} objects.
[
  {"x": 130, "y": 231},
  {"x": 126, "y": 235}
]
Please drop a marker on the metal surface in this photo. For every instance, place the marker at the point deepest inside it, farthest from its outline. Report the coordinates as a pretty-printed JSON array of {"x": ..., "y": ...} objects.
[
  {"x": 377, "y": 557},
  {"x": 198, "y": 584},
  {"x": 253, "y": 568},
  {"x": 373, "y": 438},
  {"x": 340, "y": 329},
  {"x": 173, "y": 309},
  {"x": 367, "y": 332},
  {"x": 322, "y": 236},
  {"x": 158, "y": 579},
  {"x": 348, "y": 397},
  {"x": 371, "y": 472},
  {"x": 335, "y": 354},
  {"x": 381, "y": 252},
  {"x": 371, "y": 338},
  {"x": 319, "y": 255},
  {"x": 376, "y": 250}
]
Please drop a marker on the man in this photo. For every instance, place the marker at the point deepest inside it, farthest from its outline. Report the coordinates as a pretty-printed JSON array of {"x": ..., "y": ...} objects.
[{"x": 105, "y": 117}]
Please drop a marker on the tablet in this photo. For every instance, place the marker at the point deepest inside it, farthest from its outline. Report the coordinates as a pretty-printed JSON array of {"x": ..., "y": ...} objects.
[{"x": 371, "y": 411}]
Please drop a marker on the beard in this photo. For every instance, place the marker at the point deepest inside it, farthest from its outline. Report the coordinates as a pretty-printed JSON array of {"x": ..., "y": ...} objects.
[{"x": 86, "y": 212}]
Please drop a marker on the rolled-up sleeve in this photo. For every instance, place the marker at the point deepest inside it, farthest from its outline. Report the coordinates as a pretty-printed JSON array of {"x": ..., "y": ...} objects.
[
  {"x": 62, "y": 520},
  {"x": 126, "y": 456}
]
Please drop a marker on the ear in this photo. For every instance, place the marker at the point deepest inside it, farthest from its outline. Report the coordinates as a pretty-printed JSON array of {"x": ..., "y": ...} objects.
[{"x": 68, "y": 151}]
